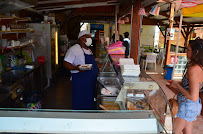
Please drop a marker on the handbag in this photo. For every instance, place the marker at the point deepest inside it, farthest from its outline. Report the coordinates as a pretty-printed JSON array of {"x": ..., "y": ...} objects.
[{"x": 174, "y": 105}]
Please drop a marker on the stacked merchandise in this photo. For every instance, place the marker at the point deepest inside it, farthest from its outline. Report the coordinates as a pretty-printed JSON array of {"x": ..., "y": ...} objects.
[
  {"x": 117, "y": 51},
  {"x": 128, "y": 67}
]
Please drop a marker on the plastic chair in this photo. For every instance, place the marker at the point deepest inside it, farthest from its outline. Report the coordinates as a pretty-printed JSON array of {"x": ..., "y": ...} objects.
[
  {"x": 161, "y": 57},
  {"x": 151, "y": 58}
]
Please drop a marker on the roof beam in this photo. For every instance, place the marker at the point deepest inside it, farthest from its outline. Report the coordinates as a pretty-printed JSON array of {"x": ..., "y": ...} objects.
[
  {"x": 148, "y": 21},
  {"x": 125, "y": 10},
  {"x": 51, "y": 9},
  {"x": 54, "y": 1},
  {"x": 175, "y": 18},
  {"x": 96, "y": 4},
  {"x": 72, "y": 2},
  {"x": 148, "y": 2},
  {"x": 94, "y": 13}
]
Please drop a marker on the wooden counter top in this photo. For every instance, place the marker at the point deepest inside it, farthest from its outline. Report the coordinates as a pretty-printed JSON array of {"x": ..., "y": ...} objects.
[{"x": 178, "y": 54}]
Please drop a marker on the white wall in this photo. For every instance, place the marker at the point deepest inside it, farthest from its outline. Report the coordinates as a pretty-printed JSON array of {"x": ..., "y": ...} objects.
[{"x": 147, "y": 35}]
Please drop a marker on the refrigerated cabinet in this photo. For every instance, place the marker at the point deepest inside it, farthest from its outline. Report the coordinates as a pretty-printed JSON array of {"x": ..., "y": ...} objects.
[{"x": 46, "y": 38}]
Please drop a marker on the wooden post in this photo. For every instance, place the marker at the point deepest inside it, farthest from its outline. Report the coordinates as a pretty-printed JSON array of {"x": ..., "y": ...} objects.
[
  {"x": 116, "y": 24},
  {"x": 165, "y": 38},
  {"x": 110, "y": 31},
  {"x": 135, "y": 32},
  {"x": 168, "y": 47},
  {"x": 177, "y": 45}
]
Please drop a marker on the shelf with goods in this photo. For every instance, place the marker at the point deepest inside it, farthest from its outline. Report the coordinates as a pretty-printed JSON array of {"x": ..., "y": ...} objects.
[
  {"x": 4, "y": 50},
  {"x": 16, "y": 47},
  {"x": 17, "y": 31},
  {"x": 14, "y": 18}
]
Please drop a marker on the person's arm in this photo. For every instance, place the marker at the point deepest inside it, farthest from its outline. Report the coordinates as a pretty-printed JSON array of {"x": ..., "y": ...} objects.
[
  {"x": 193, "y": 77},
  {"x": 69, "y": 66},
  {"x": 174, "y": 90},
  {"x": 126, "y": 45},
  {"x": 69, "y": 59}
]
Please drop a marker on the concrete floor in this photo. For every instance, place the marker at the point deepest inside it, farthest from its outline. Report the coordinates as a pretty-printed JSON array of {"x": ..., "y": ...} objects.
[{"x": 59, "y": 94}]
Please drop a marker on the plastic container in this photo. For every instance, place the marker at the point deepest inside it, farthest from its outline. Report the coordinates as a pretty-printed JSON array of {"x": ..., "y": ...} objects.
[
  {"x": 33, "y": 100},
  {"x": 168, "y": 72},
  {"x": 41, "y": 59},
  {"x": 85, "y": 67},
  {"x": 35, "y": 105}
]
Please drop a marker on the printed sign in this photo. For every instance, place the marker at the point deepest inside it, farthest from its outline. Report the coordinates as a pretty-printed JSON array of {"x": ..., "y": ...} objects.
[
  {"x": 172, "y": 59},
  {"x": 170, "y": 34}
]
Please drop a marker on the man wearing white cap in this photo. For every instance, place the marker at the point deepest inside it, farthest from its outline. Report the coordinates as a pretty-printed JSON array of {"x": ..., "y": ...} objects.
[{"x": 83, "y": 82}]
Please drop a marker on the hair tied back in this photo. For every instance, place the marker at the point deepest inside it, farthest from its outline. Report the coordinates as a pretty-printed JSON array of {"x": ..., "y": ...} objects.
[{"x": 199, "y": 43}]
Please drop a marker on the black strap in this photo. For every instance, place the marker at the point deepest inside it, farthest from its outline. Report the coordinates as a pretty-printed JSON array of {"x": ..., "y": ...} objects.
[
  {"x": 185, "y": 69},
  {"x": 82, "y": 49}
]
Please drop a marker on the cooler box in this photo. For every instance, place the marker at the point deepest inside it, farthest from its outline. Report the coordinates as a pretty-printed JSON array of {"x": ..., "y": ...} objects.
[{"x": 168, "y": 72}]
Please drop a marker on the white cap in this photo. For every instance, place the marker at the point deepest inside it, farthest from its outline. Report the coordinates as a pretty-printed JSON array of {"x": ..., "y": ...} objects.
[{"x": 84, "y": 32}]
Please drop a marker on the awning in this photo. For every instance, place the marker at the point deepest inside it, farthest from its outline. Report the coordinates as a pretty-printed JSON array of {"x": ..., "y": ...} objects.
[{"x": 193, "y": 11}]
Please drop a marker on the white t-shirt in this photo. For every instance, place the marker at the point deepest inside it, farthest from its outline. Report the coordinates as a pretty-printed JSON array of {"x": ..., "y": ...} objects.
[
  {"x": 128, "y": 40},
  {"x": 75, "y": 56}
]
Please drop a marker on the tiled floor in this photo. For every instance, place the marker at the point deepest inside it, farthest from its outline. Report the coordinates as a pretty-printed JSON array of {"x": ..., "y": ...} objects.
[{"x": 58, "y": 96}]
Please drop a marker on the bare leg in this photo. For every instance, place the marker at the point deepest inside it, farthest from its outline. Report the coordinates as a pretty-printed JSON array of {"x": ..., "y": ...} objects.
[
  {"x": 179, "y": 125},
  {"x": 188, "y": 128}
]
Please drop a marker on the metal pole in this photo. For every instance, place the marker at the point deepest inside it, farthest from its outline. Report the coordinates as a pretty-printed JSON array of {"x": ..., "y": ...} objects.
[
  {"x": 131, "y": 29},
  {"x": 177, "y": 45},
  {"x": 116, "y": 26}
]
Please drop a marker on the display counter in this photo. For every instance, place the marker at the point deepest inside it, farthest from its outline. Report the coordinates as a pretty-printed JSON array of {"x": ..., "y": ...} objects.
[
  {"x": 142, "y": 94},
  {"x": 132, "y": 105}
]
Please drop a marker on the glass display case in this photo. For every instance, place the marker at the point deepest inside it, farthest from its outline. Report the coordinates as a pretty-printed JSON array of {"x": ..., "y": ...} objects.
[
  {"x": 140, "y": 94},
  {"x": 109, "y": 85},
  {"x": 143, "y": 94}
]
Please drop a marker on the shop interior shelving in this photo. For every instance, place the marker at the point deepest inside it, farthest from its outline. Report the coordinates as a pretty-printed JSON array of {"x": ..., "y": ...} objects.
[{"x": 14, "y": 18}]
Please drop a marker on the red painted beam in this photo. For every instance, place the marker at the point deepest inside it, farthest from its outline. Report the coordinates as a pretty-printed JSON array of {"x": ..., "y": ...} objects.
[{"x": 135, "y": 32}]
